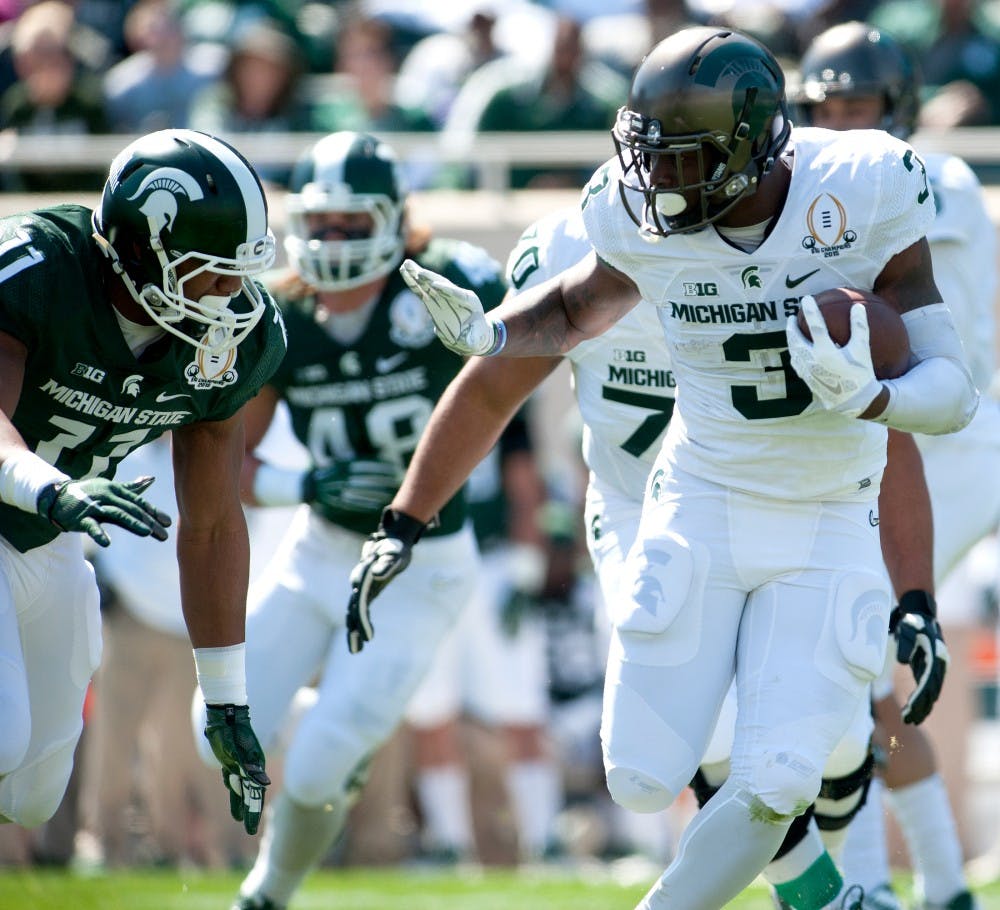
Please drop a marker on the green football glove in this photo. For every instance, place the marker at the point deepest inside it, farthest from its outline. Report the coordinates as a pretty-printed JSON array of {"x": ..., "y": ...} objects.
[
  {"x": 82, "y": 505},
  {"x": 352, "y": 486},
  {"x": 235, "y": 745}
]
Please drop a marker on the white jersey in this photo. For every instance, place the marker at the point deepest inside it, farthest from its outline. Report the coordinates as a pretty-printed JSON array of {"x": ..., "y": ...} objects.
[
  {"x": 622, "y": 380},
  {"x": 744, "y": 418},
  {"x": 963, "y": 243}
]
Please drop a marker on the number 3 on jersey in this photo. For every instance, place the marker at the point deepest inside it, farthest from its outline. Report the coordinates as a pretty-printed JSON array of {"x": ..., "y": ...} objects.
[{"x": 766, "y": 346}]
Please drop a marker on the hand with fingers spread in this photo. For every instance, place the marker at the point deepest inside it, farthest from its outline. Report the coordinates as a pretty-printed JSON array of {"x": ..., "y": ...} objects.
[
  {"x": 841, "y": 378},
  {"x": 458, "y": 316},
  {"x": 385, "y": 554},
  {"x": 83, "y": 505},
  {"x": 919, "y": 643},
  {"x": 236, "y": 747}
]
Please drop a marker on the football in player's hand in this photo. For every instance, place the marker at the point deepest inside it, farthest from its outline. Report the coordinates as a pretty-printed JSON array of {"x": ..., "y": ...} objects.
[{"x": 889, "y": 343}]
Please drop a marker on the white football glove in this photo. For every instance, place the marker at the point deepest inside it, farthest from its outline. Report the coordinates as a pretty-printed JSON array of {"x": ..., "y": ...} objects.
[
  {"x": 841, "y": 378},
  {"x": 458, "y": 316}
]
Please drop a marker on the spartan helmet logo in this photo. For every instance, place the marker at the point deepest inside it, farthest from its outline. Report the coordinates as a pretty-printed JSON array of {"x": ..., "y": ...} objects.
[
  {"x": 164, "y": 185},
  {"x": 131, "y": 385}
]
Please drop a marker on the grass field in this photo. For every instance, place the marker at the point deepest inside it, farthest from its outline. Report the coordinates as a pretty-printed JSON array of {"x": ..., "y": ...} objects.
[{"x": 382, "y": 889}]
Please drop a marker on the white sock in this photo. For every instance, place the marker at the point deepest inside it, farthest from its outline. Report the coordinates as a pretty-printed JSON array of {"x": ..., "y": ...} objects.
[
  {"x": 443, "y": 793},
  {"x": 925, "y": 815},
  {"x": 722, "y": 851},
  {"x": 865, "y": 857},
  {"x": 295, "y": 839},
  {"x": 535, "y": 791}
]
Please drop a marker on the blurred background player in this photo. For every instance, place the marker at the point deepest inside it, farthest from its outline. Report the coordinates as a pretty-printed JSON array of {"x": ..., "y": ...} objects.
[
  {"x": 492, "y": 668},
  {"x": 363, "y": 372},
  {"x": 854, "y": 76}
]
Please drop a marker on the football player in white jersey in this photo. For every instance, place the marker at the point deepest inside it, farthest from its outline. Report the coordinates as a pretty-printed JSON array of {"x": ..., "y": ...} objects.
[
  {"x": 876, "y": 84},
  {"x": 758, "y": 552}
]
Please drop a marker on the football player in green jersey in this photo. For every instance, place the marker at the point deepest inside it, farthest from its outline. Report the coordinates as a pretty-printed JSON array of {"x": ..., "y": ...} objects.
[
  {"x": 362, "y": 374},
  {"x": 116, "y": 325}
]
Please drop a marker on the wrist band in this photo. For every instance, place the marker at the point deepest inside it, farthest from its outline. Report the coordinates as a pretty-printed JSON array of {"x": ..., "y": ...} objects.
[
  {"x": 277, "y": 486},
  {"x": 23, "y": 476},
  {"x": 499, "y": 338},
  {"x": 222, "y": 674}
]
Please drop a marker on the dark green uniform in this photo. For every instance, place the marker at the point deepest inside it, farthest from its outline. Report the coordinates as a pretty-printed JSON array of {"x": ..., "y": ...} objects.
[
  {"x": 372, "y": 398},
  {"x": 87, "y": 401}
]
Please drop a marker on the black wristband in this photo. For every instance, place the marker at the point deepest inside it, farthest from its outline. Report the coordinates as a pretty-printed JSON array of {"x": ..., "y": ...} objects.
[
  {"x": 920, "y": 602},
  {"x": 406, "y": 528}
]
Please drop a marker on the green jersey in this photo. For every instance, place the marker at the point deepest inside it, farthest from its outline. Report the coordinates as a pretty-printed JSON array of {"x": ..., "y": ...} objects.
[
  {"x": 372, "y": 397},
  {"x": 87, "y": 400}
]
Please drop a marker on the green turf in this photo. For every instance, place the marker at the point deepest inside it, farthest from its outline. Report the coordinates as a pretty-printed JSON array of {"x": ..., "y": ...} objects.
[{"x": 351, "y": 890}]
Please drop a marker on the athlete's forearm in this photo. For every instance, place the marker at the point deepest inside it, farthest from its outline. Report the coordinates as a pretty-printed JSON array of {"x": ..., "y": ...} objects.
[{"x": 905, "y": 523}]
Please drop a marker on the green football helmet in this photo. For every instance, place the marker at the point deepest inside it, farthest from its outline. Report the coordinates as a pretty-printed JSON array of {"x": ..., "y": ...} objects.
[
  {"x": 715, "y": 93},
  {"x": 351, "y": 173},
  {"x": 852, "y": 59},
  {"x": 178, "y": 203}
]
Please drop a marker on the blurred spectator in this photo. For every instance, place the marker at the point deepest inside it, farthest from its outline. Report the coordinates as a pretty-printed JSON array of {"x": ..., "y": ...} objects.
[
  {"x": 54, "y": 93},
  {"x": 152, "y": 88},
  {"x": 436, "y": 68},
  {"x": 568, "y": 91},
  {"x": 260, "y": 91},
  {"x": 363, "y": 99},
  {"x": 955, "y": 43}
]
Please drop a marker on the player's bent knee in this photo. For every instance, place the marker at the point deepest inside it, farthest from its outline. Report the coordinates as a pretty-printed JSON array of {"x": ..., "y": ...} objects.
[
  {"x": 841, "y": 798},
  {"x": 638, "y": 792},
  {"x": 786, "y": 786}
]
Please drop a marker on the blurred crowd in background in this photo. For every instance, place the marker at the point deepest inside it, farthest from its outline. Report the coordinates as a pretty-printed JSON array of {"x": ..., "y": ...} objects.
[
  {"x": 140, "y": 796},
  {"x": 456, "y": 68}
]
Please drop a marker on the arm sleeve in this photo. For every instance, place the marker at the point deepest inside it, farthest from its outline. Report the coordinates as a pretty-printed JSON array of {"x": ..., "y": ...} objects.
[{"x": 937, "y": 395}]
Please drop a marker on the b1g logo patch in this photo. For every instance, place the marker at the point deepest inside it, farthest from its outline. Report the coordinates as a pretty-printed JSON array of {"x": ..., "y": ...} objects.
[
  {"x": 829, "y": 233},
  {"x": 208, "y": 371}
]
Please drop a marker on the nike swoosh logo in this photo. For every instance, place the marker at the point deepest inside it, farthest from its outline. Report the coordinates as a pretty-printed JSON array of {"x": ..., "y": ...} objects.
[
  {"x": 385, "y": 364},
  {"x": 163, "y": 396},
  {"x": 795, "y": 282}
]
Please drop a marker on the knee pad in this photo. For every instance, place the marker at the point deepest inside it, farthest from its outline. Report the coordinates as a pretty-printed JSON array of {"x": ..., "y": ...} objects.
[
  {"x": 841, "y": 798},
  {"x": 786, "y": 784},
  {"x": 638, "y": 792},
  {"x": 31, "y": 796}
]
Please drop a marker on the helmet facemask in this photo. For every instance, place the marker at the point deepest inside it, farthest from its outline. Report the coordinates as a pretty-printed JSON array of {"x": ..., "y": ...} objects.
[
  {"x": 728, "y": 169},
  {"x": 338, "y": 265},
  {"x": 346, "y": 173}
]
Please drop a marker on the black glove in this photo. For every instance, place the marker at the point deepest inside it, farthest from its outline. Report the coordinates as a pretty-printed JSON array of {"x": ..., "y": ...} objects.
[
  {"x": 920, "y": 644},
  {"x": 235, "y": 745},
  {"x": 352, "y": 486},
  {"x": 81, "y": 505},
  {"x": 384, "y": 555}
]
